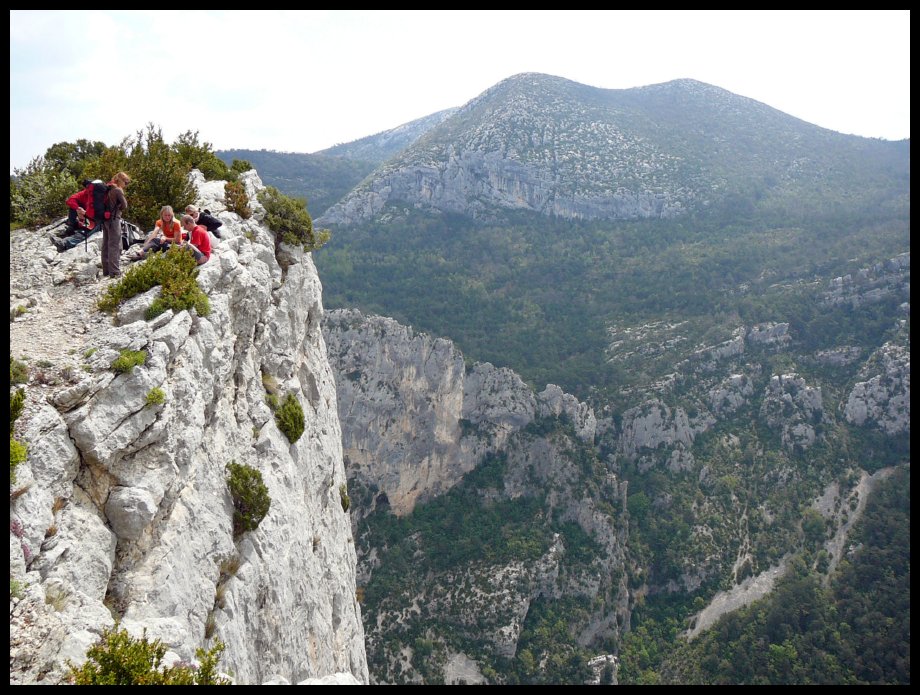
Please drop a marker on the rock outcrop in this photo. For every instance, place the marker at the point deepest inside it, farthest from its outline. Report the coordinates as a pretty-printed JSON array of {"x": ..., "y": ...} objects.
[
  {"x": 793, "y": 407},
  {"x": 882, "y": 400},
  {"x": 414, "y": 419},
  {"x": 651, "y": 425},
  {"x": 123, "y": 512},
  {"x": 873, "y": 284},
  {"x": 415, "y": 422}
]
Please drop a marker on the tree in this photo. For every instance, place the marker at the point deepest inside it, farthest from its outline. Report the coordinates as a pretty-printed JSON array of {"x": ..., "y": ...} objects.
[
  {"x": 288, "y": 218},
  {"x": 72, "y": 157},
  {"x": 159, "y": 175},
  {"x": 200, "y": 155},
  {"x": 38, "y": 193}
]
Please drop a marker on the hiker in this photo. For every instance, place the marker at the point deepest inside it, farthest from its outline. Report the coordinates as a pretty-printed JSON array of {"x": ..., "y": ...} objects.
[
  {"x": 198, "y": 240},
  {"x": 81, "y": 216},
  {"x": 83, "y": 203},
  {"x": 81, "y": 229},
  {"x": 205, "y": 219},
  {"x": 167, "y": 232},
  {"x": 115, "y": 205}
]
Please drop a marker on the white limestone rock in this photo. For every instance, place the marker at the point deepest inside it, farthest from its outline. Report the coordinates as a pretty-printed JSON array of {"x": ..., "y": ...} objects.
[
  {"x": 147, "y": 518},
  {"x": 553, "y": 401},
  {"x": 651, "y": 425},
  {"x": 882, "y": 400},
  {"x": 776, "y": 334},
  {"x": 793, "y": 407},
  {"x": 731, "y": 394}
]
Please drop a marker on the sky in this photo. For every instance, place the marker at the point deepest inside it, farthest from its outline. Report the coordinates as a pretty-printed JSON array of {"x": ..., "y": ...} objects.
[{"x": 302, "y": 81}]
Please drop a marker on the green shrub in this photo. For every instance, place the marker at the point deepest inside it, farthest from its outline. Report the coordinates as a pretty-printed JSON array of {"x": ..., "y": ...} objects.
[
  {"x": 156, "y": 396},
  {"x": 89, "y": 353},
  {"x": 19, "y": 373},
  {"x": 237, "y": 199},
  {"x": 72, "y": 157},
  {"x": 128, "y": 360},
  {"x": 290, "y": 418},
  {"x": 250, "y": 497},
  {"x": 270, "y": 383},
  {"x": 18, "y": 450},
  {"x": 119, "y": 659},
  {"x": 17, "y": 588},
  {"x": 17, "y": 403},
  {"x": 200, "y": 155},
  {"x": 344, "y": 498},
  {"x": 18, "y": 453},
  {"x": 175, "y": 271},
  {"x": 272, "y": 391},
  {"x": 240, "y": 165},
  {"x": 38, "y": 193},
  {"x": 288, "y": 218}
]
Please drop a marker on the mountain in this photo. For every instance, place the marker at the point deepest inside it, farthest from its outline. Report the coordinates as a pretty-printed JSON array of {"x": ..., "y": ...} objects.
[
  {"x": 389, "y": 143},
  {"x": 121, "y": 510},
  {"x": 324, "y": 177},
  {"x": 546, "y": 220},
  {"x": 566, "y": 150},
  {"x": 727, "y": 290}
]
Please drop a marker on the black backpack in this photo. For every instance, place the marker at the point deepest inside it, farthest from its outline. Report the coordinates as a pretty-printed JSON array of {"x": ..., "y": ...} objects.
[
  {"x": 100, "y": 195},
  {"x": 130, "y": 234},
  {"x": 208, "y": 221}
]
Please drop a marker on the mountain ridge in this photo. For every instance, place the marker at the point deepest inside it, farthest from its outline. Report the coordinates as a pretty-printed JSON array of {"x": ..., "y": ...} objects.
[{"x": 555, "y": 146}]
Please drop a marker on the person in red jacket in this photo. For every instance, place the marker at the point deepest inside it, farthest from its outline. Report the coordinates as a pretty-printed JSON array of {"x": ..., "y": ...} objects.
[
  {"x": 81, "y": 217},
  {"x": 82, "y": 203},
  {"x": 198, "y": 240}
]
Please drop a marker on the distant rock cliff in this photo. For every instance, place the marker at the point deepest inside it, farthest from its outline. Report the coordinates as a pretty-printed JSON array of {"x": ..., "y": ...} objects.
[
  {"x": 414, "y": 419},
  {"x": 883, "y": 399},
  {"x": 123, "y": 512},
  {"x": 415, "y": 423}
]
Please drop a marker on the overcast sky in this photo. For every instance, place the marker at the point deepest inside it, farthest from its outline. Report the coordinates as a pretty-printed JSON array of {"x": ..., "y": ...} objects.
[{"x": 303, "y": 81}]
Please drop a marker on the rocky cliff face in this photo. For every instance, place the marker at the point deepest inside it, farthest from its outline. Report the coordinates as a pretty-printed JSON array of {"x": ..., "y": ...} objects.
[
  {"x": 414, "y": 419},
  {"x": 882, "y": 399},
  {"x": 122, "y": 511},
  {"x": 416, "y": 423}
]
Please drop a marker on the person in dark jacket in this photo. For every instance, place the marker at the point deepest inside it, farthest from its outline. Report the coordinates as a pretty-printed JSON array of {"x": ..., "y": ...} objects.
[
  {"x": 115, "y": 205},
  {"x": 205, "y": 219}
]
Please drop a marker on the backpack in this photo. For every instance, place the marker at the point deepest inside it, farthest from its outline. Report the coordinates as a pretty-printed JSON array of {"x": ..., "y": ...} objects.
[
  {"x": 208, "y": 221},
  {"x": 130, "y": 234},
  {"x": 100, "y": 196}
]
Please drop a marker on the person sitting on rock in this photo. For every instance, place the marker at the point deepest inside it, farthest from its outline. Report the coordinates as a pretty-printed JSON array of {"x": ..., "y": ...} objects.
[
  {"x": 198, "y": 240},
  {"x": 81, "y": 216},
  {"x": 167, "y": 232},
  {"x": 206, "y": 219}
]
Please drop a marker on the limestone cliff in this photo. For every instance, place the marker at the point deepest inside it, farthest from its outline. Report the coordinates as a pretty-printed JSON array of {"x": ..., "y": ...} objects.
[
  {"x": 414, "y": 419},
  {"x": 882, "y": 399},
  {"x": 417, "y": 423},
  {"x": 122, "y": 511}
]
